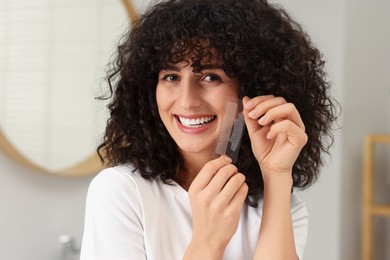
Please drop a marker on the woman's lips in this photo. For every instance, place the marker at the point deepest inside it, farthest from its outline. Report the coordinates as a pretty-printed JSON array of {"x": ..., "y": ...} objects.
[{"x": 195, "y": 123}]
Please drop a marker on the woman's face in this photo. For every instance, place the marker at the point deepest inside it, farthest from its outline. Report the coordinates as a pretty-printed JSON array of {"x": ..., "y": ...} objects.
[{"x": 191, "y": 105}]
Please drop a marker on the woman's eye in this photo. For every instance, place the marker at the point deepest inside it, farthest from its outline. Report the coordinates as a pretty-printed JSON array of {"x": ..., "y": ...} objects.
[
  {"x": 170, "y": 78},
  {"x": 211, "y": 77}
]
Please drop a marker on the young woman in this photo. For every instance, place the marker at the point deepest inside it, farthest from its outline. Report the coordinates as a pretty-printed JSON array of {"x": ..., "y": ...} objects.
[{"x": 164, "y": 195}]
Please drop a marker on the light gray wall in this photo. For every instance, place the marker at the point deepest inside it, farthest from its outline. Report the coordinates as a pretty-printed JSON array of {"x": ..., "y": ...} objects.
[
  {"x": 366, "y": 110},
  {"x": 35, "y": 209}
]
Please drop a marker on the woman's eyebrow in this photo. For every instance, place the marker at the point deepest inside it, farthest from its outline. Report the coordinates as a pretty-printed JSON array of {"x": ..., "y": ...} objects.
[
  {"x": 171, "y": 67},
  {"x": 203, "y": 67},
  {"x": 211, "y": 66}
]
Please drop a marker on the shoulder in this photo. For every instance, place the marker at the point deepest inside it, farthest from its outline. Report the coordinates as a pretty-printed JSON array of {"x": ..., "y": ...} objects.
[
  {"x": 114, "y": 175},
  {"x": 114, "y": 184},
  {"x": 113, "y": 216},
  {"x": 122, "y": 182},
  {"x": 113, "y": 178},
  {"x": 118, "y": 177}
]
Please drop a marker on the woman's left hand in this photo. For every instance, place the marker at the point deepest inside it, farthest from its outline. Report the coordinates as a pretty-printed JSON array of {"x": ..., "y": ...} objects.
[{"x": 276, "y": 131}]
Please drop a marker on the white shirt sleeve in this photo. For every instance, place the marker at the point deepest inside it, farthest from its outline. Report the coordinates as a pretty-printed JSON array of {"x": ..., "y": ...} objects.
[
  {"x": 113, "y": 219},
  {"x": 300, "y": 218}
]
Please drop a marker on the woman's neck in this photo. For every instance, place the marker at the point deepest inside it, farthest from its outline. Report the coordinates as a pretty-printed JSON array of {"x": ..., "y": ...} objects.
[{"x": 193, "y": 163}]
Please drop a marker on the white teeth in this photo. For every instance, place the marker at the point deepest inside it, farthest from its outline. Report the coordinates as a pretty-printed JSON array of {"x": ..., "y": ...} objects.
[{"x": 195, "y": 122}]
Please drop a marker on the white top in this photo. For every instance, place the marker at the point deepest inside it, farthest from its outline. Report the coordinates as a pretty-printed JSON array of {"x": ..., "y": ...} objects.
[{"x": 129, "y": 217}]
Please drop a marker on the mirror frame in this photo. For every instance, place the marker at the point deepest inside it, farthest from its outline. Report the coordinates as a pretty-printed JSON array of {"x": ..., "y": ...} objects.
[{"x": 88, "y": 166}]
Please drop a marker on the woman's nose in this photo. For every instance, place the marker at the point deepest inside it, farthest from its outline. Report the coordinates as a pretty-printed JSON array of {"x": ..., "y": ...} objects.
[{"x": 189, "y": 95}]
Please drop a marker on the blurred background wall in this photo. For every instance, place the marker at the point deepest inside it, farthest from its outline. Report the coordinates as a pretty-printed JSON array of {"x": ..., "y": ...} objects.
[
  {"x": 366, "y": 109},
  {"x": 354, "y": 36}
]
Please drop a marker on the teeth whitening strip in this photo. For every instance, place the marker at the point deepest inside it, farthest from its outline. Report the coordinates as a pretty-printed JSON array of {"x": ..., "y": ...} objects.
[{"x": 232, "y": 128}]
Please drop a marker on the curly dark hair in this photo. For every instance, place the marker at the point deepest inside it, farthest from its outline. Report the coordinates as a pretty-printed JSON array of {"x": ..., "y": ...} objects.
[{"x": 257, "y": 42}]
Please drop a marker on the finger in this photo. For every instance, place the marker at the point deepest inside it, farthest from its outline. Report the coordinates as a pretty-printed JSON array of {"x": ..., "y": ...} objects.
[
  {"x": 253, "y": 127},
  {"x": 220, "y": 179},
  {"x": 266, "y": 105},
  {"x": 294, "y": 134},
  {"x": 207, "y": 173},
  {"x": 251, "y": 103},
  {"x": 287, "y": 110},
  {"x": 231, "y": 188},
  {"x": 238, "y": 199},
  {"x": 251, "y": 124}
]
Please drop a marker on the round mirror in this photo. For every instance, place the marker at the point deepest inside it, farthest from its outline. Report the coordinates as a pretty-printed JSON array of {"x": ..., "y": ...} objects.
[{"x": 53, "y": 56}]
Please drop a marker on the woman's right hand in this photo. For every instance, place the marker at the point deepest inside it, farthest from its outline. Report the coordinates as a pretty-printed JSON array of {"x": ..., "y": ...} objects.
[{"x": 217, "y": 195}]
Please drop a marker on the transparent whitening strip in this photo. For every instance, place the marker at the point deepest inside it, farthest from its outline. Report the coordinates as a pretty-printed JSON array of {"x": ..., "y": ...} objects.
[{"x": 232, "y": 128}]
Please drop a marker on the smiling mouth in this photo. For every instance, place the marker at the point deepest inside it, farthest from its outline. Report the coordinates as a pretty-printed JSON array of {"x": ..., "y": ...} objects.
[{"x": 196, "y": 122}]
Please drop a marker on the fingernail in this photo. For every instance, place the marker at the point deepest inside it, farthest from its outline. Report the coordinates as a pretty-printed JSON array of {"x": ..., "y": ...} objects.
[
  {"x": 252, "y": 114},
  {"x": 249, "y": 104},
  {"x": 261, "y": 120},
  {"x": 227, "y": 158}
]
